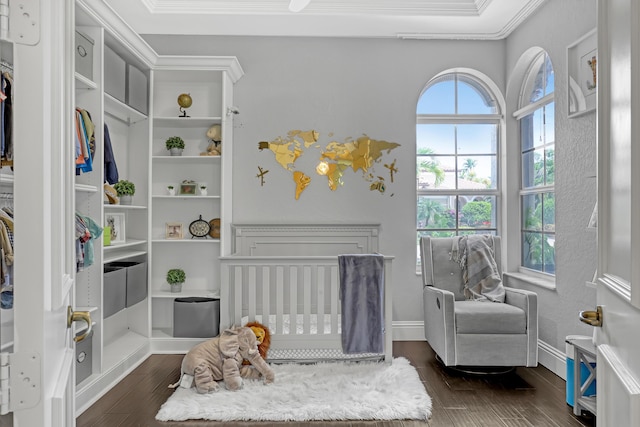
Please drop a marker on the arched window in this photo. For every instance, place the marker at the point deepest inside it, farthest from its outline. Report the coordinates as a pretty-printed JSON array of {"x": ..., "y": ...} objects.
[
  {"x": 537, "y": 147},
  {"x": 458, "y": 124}
]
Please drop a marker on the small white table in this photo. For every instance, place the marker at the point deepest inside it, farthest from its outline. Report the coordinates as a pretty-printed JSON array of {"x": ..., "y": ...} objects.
[{"x": 583, "y": 348}]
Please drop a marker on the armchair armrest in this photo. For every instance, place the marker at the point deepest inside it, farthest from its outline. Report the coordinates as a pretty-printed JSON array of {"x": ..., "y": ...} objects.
[
  {"x": 439, "y": 322},
  {"x": 527, "y": 301},
  {"x": 521, "y": 298}
]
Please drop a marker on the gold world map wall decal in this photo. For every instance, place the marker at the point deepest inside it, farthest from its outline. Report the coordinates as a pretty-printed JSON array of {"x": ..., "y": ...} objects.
[{"x": 336, "y": 158}]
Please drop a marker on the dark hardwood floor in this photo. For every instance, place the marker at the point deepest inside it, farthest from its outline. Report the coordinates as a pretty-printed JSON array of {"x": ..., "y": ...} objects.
[{"x": 525, "y": 397}]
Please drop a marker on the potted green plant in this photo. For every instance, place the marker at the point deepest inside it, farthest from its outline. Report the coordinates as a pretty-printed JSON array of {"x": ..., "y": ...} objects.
[
  {"x": 126, "y": 190},
  {"x": 175, "y": 279},
  {"x": 175, "y": 145},
  {"x": 171, "y": 190}
]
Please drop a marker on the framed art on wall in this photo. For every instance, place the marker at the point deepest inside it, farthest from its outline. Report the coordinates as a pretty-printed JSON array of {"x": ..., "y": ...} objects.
[
  {"x": 116, "y": 223},
  {"x": 582, "y": 78}
]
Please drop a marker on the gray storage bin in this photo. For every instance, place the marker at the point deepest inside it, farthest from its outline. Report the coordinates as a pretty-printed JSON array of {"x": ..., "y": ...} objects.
[
  {"x": 136, "y": 281},
  {"x": 84, "y": 358},
  {"x": 196, "y": 317},
  {"x": 115, "y": 74},
  {"x": 114, "y": 295},
  {"x": 137, "y": 94},
  {"x": 84, "y": 55}
]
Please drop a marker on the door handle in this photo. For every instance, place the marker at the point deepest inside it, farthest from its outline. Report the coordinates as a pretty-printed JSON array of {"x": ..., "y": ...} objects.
[
  {"x": 77, "y": 316},
  {"x": 593, "y": 318}
]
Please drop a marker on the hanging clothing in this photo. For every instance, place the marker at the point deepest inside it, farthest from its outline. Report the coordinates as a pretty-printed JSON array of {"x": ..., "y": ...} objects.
[
  {"x": 84, "y": 133},
  {"x": 87, "y": 230},
  {"x": 95, "y": 231},
  {"x": 7, "y": 117},
  {"x": 110, "y": 167}
]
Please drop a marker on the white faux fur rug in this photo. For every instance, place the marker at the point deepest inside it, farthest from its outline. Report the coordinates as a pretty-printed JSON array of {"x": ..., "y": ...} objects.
[{"x": 324, "y": 391}]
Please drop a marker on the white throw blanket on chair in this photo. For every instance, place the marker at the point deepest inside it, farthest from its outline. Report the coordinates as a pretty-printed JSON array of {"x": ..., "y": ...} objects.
[{"x": 482, "y": 281}]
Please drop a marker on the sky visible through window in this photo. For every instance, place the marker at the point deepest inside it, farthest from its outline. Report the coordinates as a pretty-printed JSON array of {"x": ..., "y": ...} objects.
[{"x": 474, "y": 141}]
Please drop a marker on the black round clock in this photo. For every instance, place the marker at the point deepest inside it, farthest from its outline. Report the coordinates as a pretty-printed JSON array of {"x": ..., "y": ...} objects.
[{"x": 199, "y": 228}]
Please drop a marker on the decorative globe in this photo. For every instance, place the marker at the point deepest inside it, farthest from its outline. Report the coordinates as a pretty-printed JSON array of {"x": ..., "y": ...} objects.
[{"x": 184, "y": 100}]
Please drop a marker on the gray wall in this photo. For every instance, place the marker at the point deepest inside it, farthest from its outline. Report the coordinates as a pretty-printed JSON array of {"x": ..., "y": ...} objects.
[
  {"x": 347, "y": 87},
  {"x": 353, "y": 86},
  {"x": 557, "y": 25}
]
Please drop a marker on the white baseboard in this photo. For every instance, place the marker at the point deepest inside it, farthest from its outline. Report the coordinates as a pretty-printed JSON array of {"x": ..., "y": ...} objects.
[
  {"x": 552, "y": 359},
  {"x": 408, "y": 331},
  {"x": 548, "y": 356}
]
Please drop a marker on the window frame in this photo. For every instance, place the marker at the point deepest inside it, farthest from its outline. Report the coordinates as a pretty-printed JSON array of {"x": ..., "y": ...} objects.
[
  {"x": 497, "y": 119},
  {"x": 526, "y": 109}
]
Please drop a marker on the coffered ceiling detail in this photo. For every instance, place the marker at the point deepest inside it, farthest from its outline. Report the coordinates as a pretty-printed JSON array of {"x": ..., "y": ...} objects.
[{"x": 420, "y": 19}]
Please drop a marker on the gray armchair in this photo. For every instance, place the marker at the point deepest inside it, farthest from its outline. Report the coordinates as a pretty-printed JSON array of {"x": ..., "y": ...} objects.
[{"x": 473, "y": 333}]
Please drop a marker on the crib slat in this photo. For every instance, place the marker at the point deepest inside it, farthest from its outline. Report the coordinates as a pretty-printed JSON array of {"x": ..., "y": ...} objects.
[
  {"x": 293, "y": 299},
  {"x": 320, "y": 301},
  {"x": 266, "y": 291},
  {"x": 308, "y": 275},
  {"x": 279, "y": 298},
  {"x": 251, "y": 292},
  {"x": 237, "y": 293},
  {"x": 335, "y": 291}
]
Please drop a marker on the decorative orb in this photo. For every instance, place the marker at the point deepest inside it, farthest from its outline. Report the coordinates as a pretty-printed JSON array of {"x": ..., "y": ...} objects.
[{"x": 184, "y": 100}]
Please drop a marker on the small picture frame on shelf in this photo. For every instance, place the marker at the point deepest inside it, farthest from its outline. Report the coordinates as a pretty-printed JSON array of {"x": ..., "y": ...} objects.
[
  {"x": 188, "y": 189},
  {"x": 173, "y": 231},
  {"x": 116, "y": 224},
  {"x": 582, "y": 58}
]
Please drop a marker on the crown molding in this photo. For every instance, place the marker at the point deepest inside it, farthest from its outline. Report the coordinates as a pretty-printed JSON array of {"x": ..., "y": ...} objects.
[
  {"x": 330, "y": 7},
  {"x": 529, "y": 8},
  {"x": 229, "y": 64},
  {"x": 119, "y": 30}
]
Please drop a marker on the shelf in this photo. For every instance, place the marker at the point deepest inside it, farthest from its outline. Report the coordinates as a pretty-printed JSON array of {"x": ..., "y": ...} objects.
[
  {"x": 118, "y": 256},
  {"x": 6, "y": 178},
  {"x": 187, "y": 158},
  {"x": 197, "y": 293},
  {"x": 183, "y": 241},
  {"x": 128, "y": 243},
  {"x": 83, "y": 82},
  {"x": 121, "y": 111},
  {"x": 83, "y": 327},
  {"x": 84, "y": 188},
  {"x": 178, "y": 196},
  {"x": 125, "y": 207},
  {"x": 186, "y": 122},
  {"x": 121, "y": 348},
  {"x": 588, "y": 403}
]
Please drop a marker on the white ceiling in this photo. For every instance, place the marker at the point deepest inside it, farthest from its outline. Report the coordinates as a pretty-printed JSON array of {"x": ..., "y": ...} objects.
[{"x": 422, "y": 19}]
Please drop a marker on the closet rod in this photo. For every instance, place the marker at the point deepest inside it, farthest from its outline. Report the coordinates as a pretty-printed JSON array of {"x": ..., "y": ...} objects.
[{"x": 5, "y": 65}]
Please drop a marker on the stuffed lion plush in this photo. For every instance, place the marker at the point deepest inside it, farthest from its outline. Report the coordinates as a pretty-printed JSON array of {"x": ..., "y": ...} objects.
[{"x": 221, "y": 359}]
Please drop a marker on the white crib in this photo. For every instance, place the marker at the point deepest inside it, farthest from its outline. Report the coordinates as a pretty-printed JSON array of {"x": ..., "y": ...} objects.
[{"x": 297, "y": 296}]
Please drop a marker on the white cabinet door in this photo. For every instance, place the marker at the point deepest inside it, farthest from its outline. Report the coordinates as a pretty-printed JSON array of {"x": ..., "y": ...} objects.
[
  {"x": 44, "y": 220},
  {"x": 618, "y": 294}
]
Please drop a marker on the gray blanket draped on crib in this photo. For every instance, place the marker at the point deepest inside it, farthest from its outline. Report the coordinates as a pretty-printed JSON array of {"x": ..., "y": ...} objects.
[{"x": 362, "y": 302}]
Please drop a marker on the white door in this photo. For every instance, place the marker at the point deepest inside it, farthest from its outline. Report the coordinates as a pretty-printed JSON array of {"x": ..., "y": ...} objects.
[
  {"x": 44, "y": 215},
  {"x": 618, "y": 288}
]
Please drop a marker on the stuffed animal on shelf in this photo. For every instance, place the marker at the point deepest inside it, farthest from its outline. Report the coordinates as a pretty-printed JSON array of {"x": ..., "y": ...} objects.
[
  {"x": 220, "y": 359},
  {"x": 215, "y": 135}
]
